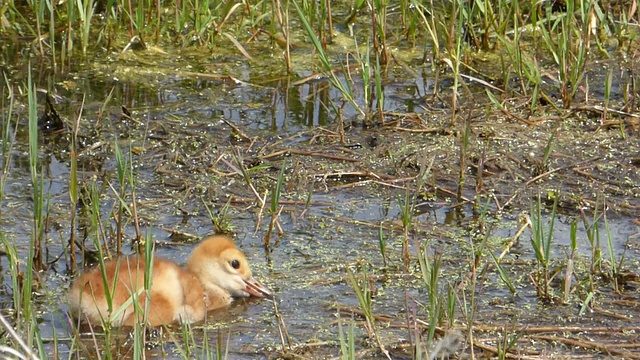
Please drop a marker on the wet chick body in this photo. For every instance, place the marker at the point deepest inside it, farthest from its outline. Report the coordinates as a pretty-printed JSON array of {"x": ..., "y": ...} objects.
[{"x": 215, "y": 273}]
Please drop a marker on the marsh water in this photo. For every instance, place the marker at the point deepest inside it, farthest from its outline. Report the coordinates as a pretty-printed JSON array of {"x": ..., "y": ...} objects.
[{"x": 187, "y": 133}]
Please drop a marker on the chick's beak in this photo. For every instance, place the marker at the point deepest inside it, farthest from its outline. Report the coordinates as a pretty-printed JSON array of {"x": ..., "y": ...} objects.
[{"x": 256, "y": 289}]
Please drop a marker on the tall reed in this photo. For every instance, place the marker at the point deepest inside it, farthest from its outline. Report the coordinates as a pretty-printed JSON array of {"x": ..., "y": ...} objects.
[
  {"x": 74, "y": 195},
  {"x": 37, "y": 235},
  {"x": 25, "y": 281},
  {"x": 7, "y": 138}
]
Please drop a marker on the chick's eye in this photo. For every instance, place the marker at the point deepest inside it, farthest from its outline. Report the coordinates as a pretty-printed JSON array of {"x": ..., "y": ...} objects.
[{"x": 235, "y": 264}]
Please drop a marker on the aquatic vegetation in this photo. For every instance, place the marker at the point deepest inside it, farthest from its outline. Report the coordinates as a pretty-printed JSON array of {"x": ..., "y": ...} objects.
[{"x": 430, "y": 168}]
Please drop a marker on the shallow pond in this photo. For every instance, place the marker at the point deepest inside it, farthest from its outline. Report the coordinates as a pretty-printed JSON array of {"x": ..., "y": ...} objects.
[{"x": 183, "y": 128}]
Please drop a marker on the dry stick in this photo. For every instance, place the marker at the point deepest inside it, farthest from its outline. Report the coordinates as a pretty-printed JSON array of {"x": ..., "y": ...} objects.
[
  {"x": 11, "y": 351},
  {"x": 173, "y": 232},
  {"x": 381, "y": 345},
  {"x": 589, "y": 345},
  {"x": 625, "y": 346},
  {"x": 237, "y": 130},
  {"x": 307, "y": 153},
  {"x": 319, "y": 75},
  {"x": 528, "y": 122},
  {"x": 364, "y": 182},
  {"x": 560, "y": 168},
  {"x": 283, "y": 19},
  {"x": 365, "y": 173},
  {"x": 288, "y": 138},
  {"x": 527, "y": 329},
  {"x": 238, "y": 46},
  {"x": 7, "y": 326},
  {"x": 536, "y": 178},
  {"x": 130, "y": 118},
  {"x": 277, "y": 223},
  {"x": 392, "y": 225},
  {"x": 424, "y": 131},
  {"x": 393, "y": 185},
  {"x": 481, "y": 82},
  {"x": 261, "y": 200},
  {"x": 329, "y": 19},
  {"x": 317, "y": 269},
  {"x": 602, "y": 179},
  {"x": 523, "y": 328},
  {"x": 610, "y": 313},
  {"x": 342, "y": 279},
  {"x": 204, "y": 76},
  {"x": 389, "y": 179},
  {"x": 313, "y": 344},
  {"x": 358, "y": 355},
  {"x": 263, "y": 203},
  {"x": 578, "y": 164},
  {"x": 495, "y": 350},
  {"x": 212, "y": 168},
  {"x": 282, "y": 328},
  {"x": 527, "y": 223},
  {"x": 496, "y": 201},
  {"x": 600, "y": 109},
  {"x": 267, "y": 238},
  {"x": 341, "y": 122},
  {"x": 584, "y": 173},
  {"x": 350, "y": 310},
  {"x": 243, "y": 200},
  {"x": 516, "y": 237},
  {"x": 136, "y": 220},
  {"x": 359, "y": 222},
  {"x": 243, "y": 172},
  {"x": 623, "y": 302},
  {"x": 95, "y": 340},
  {"x": 236, "y": 171},
  {"x": 405, "y": 66}
]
